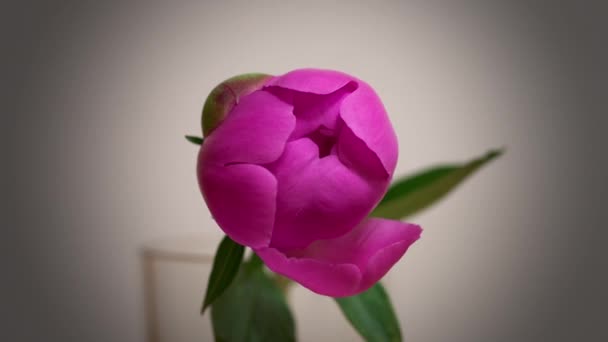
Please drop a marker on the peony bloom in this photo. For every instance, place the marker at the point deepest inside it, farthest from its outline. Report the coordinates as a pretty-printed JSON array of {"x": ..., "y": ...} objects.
[{"x": 291, "y": 166}]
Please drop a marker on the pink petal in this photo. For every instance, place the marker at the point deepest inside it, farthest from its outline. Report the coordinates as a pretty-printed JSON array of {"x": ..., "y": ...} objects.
[
  {"x": 314, "y": 110},
  {"x": 356, "y": 154},
  {"x": 317, "y": 81},
  {"x": 333, "y": 280},
  {"x": 242, "y": 199},
  {"x": 318, "y": 198},
  {"x": 326, "y": 267},
  {"x": 381, "y": 262},
  {"x": 391, "y": 239},
  {"x": 363, "y": 112},
  {"x": 255, "y": 131}
]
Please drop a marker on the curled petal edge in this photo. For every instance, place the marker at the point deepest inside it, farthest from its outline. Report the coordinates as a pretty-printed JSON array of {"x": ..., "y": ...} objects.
[
  {"x": 315, "y": 81},
  {"x": 375, "y": 130},
  {"x": 345, "y": 274}
]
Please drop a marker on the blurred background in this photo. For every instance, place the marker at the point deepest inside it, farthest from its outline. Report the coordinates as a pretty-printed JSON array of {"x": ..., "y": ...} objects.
[{"x": 98, "y": 96}]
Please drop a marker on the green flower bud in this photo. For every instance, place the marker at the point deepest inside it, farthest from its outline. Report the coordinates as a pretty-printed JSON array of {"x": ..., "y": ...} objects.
[{"x": 226, "y": 95}]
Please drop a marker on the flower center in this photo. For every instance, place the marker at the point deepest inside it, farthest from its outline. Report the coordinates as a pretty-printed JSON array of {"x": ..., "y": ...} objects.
[{"x": 325, "y": 139}]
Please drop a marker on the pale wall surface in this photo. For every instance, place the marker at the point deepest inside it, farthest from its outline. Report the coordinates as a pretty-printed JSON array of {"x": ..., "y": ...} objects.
[{"x": 97, "y": 165}]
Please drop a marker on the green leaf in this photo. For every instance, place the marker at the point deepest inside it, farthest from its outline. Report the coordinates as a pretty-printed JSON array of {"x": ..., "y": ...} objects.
[
  {"x": 225, "y": 267},
  {"x": 252, "y": 309},
  {"x": 415, "y": 193},
  {"x": 372, "y": 315},
  {"x": 194, "y": 140}
]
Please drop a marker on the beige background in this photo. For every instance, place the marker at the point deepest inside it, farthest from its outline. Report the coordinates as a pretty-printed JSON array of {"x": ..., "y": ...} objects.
[{"x": 97, "y": 165}]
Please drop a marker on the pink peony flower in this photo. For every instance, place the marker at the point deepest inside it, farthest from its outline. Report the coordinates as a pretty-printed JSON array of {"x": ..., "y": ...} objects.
[{"x": 291, "y": 166}]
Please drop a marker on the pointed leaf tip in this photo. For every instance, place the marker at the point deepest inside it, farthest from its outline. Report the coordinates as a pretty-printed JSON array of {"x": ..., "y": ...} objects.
[
  {"x": 225, "y": 267},
  {"x": 495, "y": 153},
  {"x": 194, "y": 140}
]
